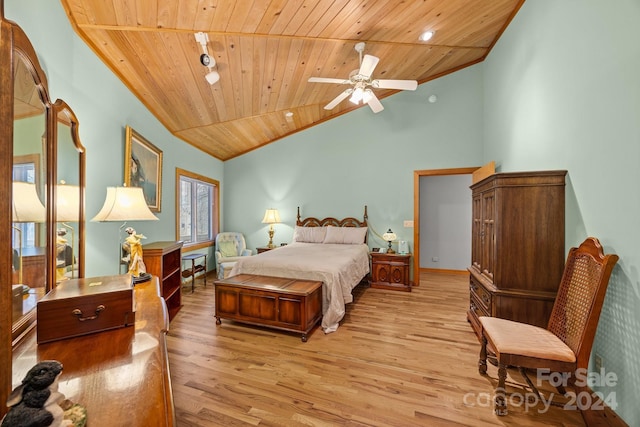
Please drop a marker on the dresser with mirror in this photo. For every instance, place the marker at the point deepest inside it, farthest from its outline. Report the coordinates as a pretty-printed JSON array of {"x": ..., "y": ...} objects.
[
  {"x": 41, "y": 242},
  {"x": 42, "y": 245}
]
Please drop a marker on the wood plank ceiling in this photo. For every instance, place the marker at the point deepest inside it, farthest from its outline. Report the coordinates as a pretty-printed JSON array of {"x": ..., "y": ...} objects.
[{"x": 266, "y": 50}]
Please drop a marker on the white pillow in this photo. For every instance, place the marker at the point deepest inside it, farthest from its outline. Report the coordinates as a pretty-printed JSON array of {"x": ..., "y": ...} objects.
[
  {"x": 345, "y": 235},
  {"x": 309, "y": 234}
]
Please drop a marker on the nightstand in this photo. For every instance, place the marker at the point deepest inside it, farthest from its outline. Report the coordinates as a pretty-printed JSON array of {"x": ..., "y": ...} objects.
[
  {"x": 390, "y": 271},
  {"x": 265, "y": 249}
]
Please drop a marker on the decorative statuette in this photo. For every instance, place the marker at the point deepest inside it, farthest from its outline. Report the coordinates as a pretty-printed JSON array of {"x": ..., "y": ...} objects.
[{"x": 38, "y": 403}]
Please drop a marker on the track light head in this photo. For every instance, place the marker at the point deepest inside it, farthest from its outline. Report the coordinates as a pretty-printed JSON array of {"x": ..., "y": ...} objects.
[
  {"x": 212, "y": 77},
  {"x": 207, "y": 60}
]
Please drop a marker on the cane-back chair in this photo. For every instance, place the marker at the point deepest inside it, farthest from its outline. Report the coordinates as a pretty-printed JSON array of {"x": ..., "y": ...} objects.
[{"x": 566, "y": 344}]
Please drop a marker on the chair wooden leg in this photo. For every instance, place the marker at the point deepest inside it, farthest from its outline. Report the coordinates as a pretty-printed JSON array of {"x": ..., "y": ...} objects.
[
  {"x": 501, "y": 398},
  {"x": 482, "y": 363},
  {"x": 523, "y": 372},
  {"x": 560, "y": 388}
]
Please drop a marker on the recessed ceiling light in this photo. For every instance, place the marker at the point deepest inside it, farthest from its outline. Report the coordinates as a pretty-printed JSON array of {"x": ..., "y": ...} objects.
[
  {"x": 288, "y": 114},
  {"x": 426, "y": 36}
]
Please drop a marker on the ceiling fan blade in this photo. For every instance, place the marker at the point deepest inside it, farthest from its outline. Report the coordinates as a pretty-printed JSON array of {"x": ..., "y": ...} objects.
[
  {"x": 395, "y": 84},
  {"x": 375, "y": 104},
  {"x": 369, "y": 63},
  {"x": 338, "y": 99},
  {"x": 327, "y": 80}
]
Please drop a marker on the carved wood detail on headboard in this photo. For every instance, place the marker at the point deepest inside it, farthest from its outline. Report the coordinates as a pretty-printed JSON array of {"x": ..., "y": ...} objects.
[{"x": 330, "y": 221}]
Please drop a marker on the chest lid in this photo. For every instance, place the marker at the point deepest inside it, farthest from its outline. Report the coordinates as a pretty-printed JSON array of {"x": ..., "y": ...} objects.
[{"x": 85, "y": 287}]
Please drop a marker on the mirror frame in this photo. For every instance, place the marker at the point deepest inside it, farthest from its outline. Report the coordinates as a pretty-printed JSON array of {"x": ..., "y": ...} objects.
[
  {"x": 62, "y": 107},
  {"x": 15, "y": 45}
]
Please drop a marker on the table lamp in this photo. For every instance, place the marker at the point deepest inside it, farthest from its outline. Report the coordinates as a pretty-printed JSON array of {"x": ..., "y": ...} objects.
[
  {"x": 126, "y": 204},
  {"x": 389, "y": 236},
  {"x": 68, "y": 210},
  {"x": 25, "y": 207},
  {"x": 271, "y": 216}
]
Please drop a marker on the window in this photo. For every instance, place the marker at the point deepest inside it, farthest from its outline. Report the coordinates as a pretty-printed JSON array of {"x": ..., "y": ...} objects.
[{"x": 197, "y": 204}]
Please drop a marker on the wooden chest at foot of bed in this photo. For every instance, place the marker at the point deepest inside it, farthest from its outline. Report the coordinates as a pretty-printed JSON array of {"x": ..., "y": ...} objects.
[
  {"x": 84, "y": 306},
  {"x": 288, "y": 304}
]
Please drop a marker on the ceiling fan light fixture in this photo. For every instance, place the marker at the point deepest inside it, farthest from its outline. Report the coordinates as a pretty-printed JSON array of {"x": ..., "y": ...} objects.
[
  {"x": 426, "y": 36},
  {"x": 362, "y": 83},
  {"x": 366, "y": 96},
  {"x": 358, "y": 93}
]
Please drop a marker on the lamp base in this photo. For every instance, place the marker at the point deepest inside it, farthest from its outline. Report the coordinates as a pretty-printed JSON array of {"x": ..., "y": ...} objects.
[
  {"x": 270, "y": 245},
  {"x": 143, "y": 277},
  {"x": 390, "y": 249}
]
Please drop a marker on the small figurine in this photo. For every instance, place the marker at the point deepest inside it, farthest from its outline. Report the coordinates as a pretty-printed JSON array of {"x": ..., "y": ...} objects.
[
  {"x": 36, "y": 402},
  {"x": 61, "y": 245},
  {"x": 134, "y": 245}
]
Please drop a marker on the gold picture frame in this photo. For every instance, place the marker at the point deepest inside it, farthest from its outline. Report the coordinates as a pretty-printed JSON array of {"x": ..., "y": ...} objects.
[{"x": 143, "y": 167}]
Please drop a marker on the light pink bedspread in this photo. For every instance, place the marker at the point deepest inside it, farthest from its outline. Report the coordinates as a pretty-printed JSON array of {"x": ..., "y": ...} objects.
[{"x": 339, "y": 267}]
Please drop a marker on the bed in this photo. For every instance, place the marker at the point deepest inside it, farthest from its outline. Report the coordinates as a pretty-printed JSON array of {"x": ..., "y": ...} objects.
[{"x": 331, "y": 250}]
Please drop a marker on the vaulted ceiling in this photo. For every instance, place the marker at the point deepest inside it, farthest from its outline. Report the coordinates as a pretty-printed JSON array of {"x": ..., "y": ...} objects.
[{"x": 266, "y": 50}]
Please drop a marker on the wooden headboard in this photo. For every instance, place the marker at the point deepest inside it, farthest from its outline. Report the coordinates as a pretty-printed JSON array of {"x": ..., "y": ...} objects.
[{"x": 345, "y": 222}]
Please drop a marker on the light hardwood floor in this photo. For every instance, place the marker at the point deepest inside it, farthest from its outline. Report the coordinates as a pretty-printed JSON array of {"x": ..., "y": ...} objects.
[{"x": 398, "y": 359}]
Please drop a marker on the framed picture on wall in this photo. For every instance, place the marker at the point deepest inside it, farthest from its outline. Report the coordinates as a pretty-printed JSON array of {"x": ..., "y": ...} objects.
[{"x": 143, "y": 167}]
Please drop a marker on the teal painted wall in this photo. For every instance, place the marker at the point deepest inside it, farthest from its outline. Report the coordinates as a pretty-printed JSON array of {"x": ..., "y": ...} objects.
[
  {"x": 28, "y": 133},
  {"x": 104, "y": 106},
  {"x": 358, "y": 159},
  {"x": 562, "y": 91}
]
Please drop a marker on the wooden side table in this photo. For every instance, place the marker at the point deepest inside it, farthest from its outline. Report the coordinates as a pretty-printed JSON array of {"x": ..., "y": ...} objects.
[
  {"x": 195, "y": 269},
  {"x": 390, "y": 271},
  {"x": 163, "y": 260},
  {"x": 265, "y": 249}
]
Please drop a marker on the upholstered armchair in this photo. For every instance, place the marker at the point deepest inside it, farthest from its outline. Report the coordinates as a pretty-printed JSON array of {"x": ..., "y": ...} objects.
[{"x": 230, "y": 247}]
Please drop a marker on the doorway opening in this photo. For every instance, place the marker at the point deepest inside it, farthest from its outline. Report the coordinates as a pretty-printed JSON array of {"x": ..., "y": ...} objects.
[{"x": 416, "y": 209}]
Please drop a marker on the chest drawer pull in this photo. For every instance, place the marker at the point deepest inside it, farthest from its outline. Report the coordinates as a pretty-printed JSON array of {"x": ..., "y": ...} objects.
[{"x": 78, "y": 313}]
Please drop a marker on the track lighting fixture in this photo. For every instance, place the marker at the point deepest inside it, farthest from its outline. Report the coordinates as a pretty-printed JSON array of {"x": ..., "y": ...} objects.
[{"x": 212, "y": 76}]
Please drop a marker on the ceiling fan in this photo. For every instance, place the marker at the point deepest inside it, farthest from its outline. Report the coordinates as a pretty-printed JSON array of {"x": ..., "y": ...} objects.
[{"x": 361, "y": 83}]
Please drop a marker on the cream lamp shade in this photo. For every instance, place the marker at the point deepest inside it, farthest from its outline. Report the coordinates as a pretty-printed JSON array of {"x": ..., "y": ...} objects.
[
  {"x": 26, "y": 205},
  {"x": 67, "y": 210},
  {"x": 67, "y": 203},
  {"x": 124, "y": 204},
  {"x": 271, "y": 216}
]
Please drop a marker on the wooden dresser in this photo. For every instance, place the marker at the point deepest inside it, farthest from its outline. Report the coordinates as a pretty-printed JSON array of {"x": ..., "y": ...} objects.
[
  {"x": 121, "y": 376},
  {"x": 164, "y": 259},
  {"x": 517, "y": 246}
]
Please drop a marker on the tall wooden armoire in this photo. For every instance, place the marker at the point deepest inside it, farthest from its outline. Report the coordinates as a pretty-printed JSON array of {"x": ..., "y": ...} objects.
[{"x": 517, "y": 246}]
